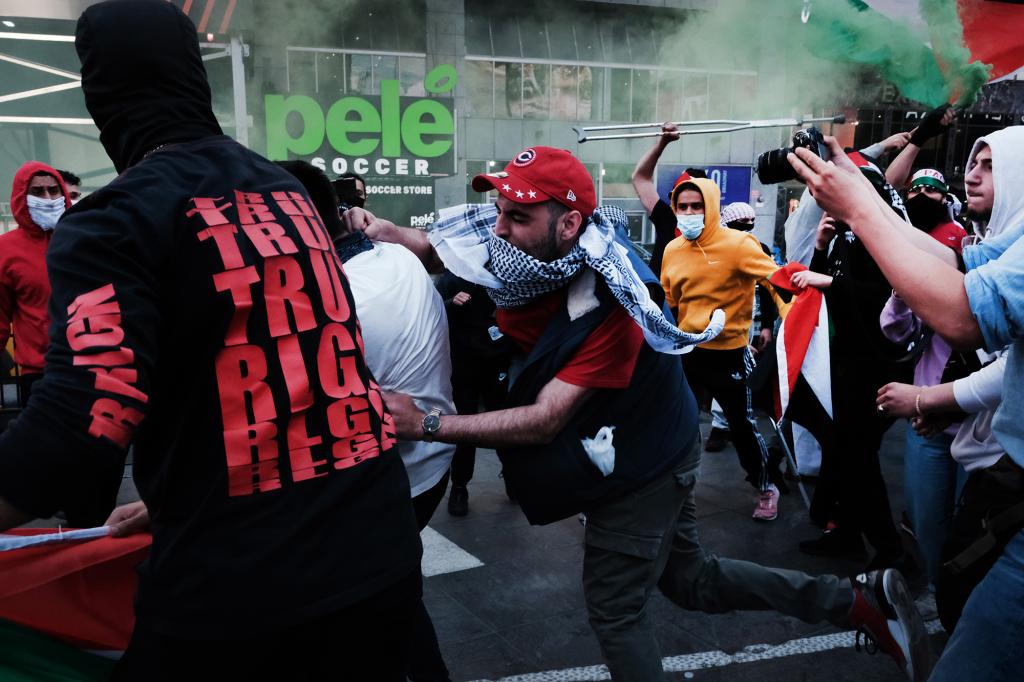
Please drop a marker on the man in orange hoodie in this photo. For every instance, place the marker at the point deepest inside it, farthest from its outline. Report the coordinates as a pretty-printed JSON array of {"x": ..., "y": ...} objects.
[
  {"x": 38, "y": 199},
  {"x": 711, "y": 267}
]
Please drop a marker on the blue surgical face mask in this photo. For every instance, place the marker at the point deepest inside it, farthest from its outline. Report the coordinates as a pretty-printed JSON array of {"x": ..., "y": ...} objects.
[
  {"x": 45, "y": 212},
  {"x": 690, "y": 225}
]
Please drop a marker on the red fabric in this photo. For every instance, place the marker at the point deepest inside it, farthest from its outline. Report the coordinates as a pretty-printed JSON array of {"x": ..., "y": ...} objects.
[
  {"x": 81, "y": 592},
  {"x": 949, "y": 234},
  {"x": 800, "y": 322},
  {"x": 24, "y": 284},
  {"x": 992, "y": 32},
  {"x": 607, "y": 357}
]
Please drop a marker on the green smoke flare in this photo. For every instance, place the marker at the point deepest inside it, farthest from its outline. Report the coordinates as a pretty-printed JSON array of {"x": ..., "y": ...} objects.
[
  {"x": 947, "y": 38},
  {"x": 841, "y": 31}
]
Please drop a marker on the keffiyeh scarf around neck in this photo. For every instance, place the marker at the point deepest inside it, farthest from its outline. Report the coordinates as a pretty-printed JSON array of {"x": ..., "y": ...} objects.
[{"x": 465, "y": 241}]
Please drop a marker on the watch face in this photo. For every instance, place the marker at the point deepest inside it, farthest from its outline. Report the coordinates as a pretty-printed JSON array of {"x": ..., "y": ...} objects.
[{"x": 431, "y": 422}]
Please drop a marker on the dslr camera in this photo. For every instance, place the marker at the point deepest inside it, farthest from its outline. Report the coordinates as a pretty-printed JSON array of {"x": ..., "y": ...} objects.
[{"x": 772, "y": 166}]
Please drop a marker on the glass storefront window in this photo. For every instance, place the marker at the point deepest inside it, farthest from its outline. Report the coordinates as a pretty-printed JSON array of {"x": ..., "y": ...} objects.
[
  {"x": 695, "y": 97},
  {"x": 643, "y": 95},
  {"x": 536, "y": 90},
  {"x": 588, "y": 41},
  {"x": 720, "y": 95},
  {"x": 480, "y": 88},
  {"x": 330, "y": 72},
  {"x": 670, "y": 96},
  {"x": 618, "y": 182},
  {"x": 411, "y": 71},
  {"x": 620, "y": 94},
  {"x": 505, "y": 35},
  {"x": 508, "y": 90},
  {"x": 360, "y": 74},
  {"x": 534, "y": 37},
  {"x": 384, "y": 68},
  {"x": 301, "y": 71},
  {"x": 564, "y": 84},
  {"x": 590, "y": 91},
  {"x": 562, "y": 40},
  {"x": 478, "y": 35}
]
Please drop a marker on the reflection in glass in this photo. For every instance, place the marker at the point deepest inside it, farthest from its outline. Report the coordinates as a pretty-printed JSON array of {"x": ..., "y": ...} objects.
[
  {"x": 619, "y": 94},
  {"x": 411, "y": 71},
  {"x": 330, "y": 72},
  {"x": 480, "y": 88},
  {"x": 670, "y": 96},
  {"x": 360, "y": 74},
  {"x": 590, "y": 89},
  {"x": 536, "y": 97},
  {"x": 643, "y": 95},
  {"x": 564, "y": 82},
  {"x": 508, "y": 90},
  {"x": 695, "y": 98},
  {"x": 384, "y": 68}
]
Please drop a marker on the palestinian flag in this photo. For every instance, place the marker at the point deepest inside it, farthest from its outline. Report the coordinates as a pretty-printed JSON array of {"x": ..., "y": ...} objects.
[
  {"x": 66, "y": 606},
  {"x": 802, "y": 351}
]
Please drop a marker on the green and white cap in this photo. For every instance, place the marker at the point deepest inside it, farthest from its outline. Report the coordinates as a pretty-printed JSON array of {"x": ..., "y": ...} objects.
[{"x": 931, "y": 178}]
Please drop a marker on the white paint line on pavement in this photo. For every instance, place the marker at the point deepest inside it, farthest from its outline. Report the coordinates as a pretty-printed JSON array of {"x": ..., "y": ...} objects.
[
  {"x": 709, "y": 659},
  {"x": 441, "y": 555}
]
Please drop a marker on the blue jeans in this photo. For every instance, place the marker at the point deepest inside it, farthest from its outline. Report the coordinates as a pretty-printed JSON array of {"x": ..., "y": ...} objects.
[
  {"x": 932, "y": 481},
  {"x": 988, "y": 642}
]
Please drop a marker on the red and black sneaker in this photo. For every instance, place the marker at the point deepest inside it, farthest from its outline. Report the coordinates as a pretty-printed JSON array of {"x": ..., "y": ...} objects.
[{"x": 884, "y": 614}]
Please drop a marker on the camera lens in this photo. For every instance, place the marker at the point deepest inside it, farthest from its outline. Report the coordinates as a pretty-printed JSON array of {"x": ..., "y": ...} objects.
[{"x": 772, "y": 166}]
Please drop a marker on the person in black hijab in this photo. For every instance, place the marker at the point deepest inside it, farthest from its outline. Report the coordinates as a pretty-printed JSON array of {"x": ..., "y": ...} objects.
[{"x": 199, "y": 313}]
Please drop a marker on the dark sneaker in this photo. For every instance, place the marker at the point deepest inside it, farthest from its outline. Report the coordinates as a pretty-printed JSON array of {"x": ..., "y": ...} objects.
[
  {"x": 717, "y": 440},
  {"x": 458, "y": 501},
  {"x": 884, "y": 615},
  {"x": 833, "y": 542}
]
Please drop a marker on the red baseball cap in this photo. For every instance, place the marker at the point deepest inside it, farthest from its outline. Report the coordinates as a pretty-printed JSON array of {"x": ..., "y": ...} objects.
[{"x": 539, "y": 174}]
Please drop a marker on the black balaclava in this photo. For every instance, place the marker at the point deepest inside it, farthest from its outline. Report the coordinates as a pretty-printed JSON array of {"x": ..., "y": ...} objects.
[
  {"x": 925, "y": 212},
  {"x": 143, "y": 77}
]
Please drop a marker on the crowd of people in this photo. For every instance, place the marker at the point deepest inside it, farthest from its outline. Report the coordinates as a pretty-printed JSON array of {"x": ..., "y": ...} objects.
[{"x": 299, "y": 394}]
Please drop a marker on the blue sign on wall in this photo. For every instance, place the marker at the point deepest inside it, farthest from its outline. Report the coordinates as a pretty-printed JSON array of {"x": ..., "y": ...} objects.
[{"x": 734, "y": 181}]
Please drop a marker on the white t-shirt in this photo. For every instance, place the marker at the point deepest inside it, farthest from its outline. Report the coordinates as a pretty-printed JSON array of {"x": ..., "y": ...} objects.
[{"x": 405, "y": 336}]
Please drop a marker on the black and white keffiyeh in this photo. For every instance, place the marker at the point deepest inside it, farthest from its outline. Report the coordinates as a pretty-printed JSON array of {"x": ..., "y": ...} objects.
[{"x": 465, "y": 241}]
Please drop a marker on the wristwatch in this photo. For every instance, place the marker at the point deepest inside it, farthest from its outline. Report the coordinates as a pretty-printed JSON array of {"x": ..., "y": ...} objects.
[{"x": 431, "y": 424}]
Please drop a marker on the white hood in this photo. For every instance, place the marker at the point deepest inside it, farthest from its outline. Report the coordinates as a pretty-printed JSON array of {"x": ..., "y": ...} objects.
[{"x": 1007, "y": 175}]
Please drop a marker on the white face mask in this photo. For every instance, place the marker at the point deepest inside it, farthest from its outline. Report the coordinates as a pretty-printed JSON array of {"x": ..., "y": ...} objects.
[
  {"x": 690, "y": 225},
  {"x": 45, "y": 212}
]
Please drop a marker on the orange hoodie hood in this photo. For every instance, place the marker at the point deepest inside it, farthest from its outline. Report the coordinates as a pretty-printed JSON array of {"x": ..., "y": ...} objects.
[{"x": 712, "y": 207}]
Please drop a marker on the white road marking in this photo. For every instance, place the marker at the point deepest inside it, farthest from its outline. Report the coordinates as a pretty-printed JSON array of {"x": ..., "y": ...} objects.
[
  {"x": 709, "y": 659},
  {"x": 441, "y": 555}
]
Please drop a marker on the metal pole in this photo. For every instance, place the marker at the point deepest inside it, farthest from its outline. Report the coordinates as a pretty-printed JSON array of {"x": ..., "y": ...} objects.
[
  {"x": 733, "y": 126},
  {"x": 238, "y": 51}
]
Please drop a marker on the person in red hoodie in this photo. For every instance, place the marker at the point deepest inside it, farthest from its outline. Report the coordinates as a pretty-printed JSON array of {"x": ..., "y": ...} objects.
[{"x": 38, "y": 199}]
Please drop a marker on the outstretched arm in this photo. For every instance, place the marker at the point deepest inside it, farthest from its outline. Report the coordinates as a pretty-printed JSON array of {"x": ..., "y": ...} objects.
[
  {"x": 643, "y": 174},
  {"x": 929, "y": 282},
  {"x": 380, "y": 230}
]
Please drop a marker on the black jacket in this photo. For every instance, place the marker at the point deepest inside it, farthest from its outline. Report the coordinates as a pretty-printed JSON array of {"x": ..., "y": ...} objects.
[{"x": 655, "y": 420}]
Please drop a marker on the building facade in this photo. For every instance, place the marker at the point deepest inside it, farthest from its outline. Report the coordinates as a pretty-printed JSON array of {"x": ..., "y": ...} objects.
[{"x": 418, "y": 96}]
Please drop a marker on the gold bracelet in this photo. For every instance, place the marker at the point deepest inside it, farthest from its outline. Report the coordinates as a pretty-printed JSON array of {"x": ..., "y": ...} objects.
[{"x": 917, "y": 405}]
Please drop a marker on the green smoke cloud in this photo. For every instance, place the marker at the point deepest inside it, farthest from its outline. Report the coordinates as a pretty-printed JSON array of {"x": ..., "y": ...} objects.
[{"x": 947, "y": 37}]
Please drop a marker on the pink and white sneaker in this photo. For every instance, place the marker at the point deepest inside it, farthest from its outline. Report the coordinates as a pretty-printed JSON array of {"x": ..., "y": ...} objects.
[{"x": 767, "y": 508}]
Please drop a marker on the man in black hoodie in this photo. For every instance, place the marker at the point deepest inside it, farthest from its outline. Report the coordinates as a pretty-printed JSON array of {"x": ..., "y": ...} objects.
[{"x": 199, "y": 312}]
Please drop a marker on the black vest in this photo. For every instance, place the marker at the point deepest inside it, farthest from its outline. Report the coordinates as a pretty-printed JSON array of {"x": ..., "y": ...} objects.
[{"x": 655, "y": 420}]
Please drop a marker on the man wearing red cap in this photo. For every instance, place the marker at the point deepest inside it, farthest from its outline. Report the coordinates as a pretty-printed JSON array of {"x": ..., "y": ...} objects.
[
  {"x": 600, "y": 418},
  {"x": 38, "y": 199}
]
